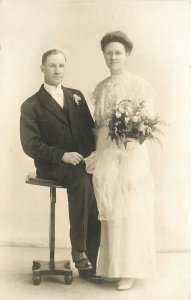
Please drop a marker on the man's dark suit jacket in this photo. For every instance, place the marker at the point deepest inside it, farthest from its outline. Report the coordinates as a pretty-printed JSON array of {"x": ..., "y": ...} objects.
[{"x": 48, "y": 131}]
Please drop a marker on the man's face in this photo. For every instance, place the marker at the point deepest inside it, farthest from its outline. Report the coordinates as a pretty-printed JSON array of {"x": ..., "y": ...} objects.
[{"x": 53, "y": 69}]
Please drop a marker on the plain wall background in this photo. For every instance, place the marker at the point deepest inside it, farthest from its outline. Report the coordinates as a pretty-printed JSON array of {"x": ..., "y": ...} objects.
[{"x": 160, "y": 32}]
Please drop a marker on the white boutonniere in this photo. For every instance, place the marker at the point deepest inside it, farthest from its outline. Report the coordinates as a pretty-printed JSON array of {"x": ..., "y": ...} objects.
[{"x": 77, "y": 98}]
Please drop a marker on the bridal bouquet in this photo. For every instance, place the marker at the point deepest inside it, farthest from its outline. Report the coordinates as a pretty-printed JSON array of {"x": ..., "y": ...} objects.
[{"x": 132, "y": 121}]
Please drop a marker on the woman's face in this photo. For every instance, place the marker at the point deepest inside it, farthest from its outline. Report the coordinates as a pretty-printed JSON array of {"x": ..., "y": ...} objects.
[{"x": 115, "y": 57}]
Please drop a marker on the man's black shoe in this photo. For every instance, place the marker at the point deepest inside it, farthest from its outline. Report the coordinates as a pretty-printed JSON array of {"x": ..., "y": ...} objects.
[
  {"x": 91, "y": 278},
  {"x": 81, "y": 261}
]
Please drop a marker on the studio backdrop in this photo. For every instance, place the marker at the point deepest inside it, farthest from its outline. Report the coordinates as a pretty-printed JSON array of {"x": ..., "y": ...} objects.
[{"x": 160, "y": 33}]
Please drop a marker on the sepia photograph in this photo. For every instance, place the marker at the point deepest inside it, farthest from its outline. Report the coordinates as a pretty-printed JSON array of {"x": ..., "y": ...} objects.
[{"x": 95, "y": 180}]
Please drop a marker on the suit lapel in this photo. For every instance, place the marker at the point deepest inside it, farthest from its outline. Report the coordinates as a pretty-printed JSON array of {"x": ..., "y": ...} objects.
[
  {"x": 50, "y": 104},
  {"x": 67, "y": 98},
  {"x": 72, "y": 108}
]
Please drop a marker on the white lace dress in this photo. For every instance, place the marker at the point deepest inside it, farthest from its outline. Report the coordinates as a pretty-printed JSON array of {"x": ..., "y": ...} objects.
[{"x": 123, "y": 187}]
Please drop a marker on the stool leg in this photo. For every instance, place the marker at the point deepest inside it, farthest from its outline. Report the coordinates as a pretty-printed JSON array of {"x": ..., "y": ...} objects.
[
  {"x": 52, "y": 226},
  {"x": 52, "y": 267}
]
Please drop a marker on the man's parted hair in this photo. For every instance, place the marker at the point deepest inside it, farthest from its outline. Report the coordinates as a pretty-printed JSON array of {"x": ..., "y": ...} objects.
[{"x": 49, "y": 52}]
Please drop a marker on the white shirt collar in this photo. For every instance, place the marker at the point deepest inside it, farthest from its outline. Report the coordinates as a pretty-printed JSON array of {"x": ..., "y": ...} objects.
[
  {"x": 50, "y": 88},
  {"x": 56, "y": 93}
]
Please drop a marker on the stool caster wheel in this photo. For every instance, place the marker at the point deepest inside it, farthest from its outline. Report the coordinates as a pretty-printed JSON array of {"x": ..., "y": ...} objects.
[
  {"x": 35, "y": 265},
  {"x": 68, "y": 279},
  {"x": 36, "y": 279}
]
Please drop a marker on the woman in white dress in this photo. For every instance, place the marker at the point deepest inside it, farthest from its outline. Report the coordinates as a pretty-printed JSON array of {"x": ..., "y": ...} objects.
[{"x": 122, "y": 177}]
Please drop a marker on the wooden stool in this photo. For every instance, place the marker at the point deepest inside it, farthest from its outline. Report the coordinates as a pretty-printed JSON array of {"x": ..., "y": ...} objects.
[{"x": 44, "y": 267}]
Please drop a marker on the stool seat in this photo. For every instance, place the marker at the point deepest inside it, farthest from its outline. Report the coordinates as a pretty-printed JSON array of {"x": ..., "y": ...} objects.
[
  {"x": 31, "y": 178},
  {"x": 40, "y": 268}
]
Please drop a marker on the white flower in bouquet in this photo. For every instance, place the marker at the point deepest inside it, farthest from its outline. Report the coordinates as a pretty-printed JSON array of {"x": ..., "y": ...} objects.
[
  {"x": 121, "y": 109},
  {"x": 135, "y": 119},
  {"x": 142, "y": 128},
  {"x": 118, "y": 114}
]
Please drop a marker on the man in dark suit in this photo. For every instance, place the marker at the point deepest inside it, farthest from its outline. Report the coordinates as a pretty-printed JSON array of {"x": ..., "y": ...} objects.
[{"x": 56, "y": 131}]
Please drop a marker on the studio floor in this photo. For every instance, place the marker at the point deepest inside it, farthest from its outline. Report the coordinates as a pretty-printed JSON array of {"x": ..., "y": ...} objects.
[{"x": 172, "y": 283}]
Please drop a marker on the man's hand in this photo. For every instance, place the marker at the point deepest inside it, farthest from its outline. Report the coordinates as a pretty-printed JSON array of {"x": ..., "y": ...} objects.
[{"x": 73, "y": 158}]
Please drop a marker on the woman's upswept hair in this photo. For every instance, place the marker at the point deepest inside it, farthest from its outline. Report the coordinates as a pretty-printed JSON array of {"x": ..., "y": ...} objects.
[{"x": 117, "y": 36}]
